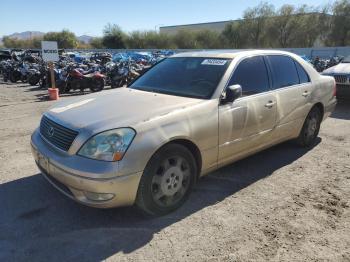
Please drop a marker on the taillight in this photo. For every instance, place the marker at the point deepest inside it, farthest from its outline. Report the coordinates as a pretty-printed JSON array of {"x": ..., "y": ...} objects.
[{"x": 335, "y": 89}]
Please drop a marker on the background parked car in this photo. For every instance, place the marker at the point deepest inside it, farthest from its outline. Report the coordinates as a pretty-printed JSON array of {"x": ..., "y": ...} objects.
[{"x": 341, "y": 74}]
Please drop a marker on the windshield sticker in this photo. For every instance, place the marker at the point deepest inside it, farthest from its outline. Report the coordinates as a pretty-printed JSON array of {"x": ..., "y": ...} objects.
[{"x": 218, "y": 62}]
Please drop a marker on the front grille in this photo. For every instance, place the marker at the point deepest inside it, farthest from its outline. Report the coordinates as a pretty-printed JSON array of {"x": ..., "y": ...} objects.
[
  {"x": 341, "y": 79},
  {"x": 343, "y": 87},
  {"x": 58, "y": 135}
]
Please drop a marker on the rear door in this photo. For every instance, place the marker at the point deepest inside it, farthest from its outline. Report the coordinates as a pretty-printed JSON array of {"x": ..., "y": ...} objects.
[
  {"x": 246, "y": 124},
  {"x": 293, "y": 89}
]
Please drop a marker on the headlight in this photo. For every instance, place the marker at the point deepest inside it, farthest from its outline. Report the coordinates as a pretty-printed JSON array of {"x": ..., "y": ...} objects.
[{"x": 109, "y": 145}]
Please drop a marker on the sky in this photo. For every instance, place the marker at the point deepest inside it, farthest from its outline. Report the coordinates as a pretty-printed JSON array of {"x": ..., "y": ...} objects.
[{"x": 89, "y": 17}]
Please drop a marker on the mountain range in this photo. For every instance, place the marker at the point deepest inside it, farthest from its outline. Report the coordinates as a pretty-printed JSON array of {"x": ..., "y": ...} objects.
[{"x": 30, "y": 34}]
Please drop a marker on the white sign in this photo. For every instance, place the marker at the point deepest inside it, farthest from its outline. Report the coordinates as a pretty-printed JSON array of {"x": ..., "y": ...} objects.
[
  {"x": 49, "y": 51},
  {"x": 218, "y": 62}
]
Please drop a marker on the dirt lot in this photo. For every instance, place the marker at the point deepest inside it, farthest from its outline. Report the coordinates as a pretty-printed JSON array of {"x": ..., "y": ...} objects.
[{"x": 283, "y": 204}]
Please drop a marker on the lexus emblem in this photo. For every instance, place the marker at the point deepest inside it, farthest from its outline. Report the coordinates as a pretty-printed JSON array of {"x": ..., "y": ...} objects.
[{"x": 51, "y": 131}]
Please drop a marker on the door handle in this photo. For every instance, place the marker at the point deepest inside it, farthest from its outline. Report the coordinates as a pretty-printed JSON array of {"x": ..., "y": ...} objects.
[
  {"x": 306, "y": 94},
  {"x": 270, "y": 104}
]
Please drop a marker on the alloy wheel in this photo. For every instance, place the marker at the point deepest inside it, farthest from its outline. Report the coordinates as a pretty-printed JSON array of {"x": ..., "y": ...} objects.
[{"x": 171, "y": 181}]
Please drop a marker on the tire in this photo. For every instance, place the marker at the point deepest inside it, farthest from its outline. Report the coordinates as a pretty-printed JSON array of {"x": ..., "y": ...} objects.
[
  {"x": 24, "y": 78},
  {"x": 14, "y": 76},
  {"x": 167, "y": 180},
  {"x": 114, "y": 84},
  {"x": 42, "y": 83},
  {"x": 310, "y": 129},
  {"x": 33, "y": 79},
  {"x": 5, "y": 76},
  {"x": 61, "y": 85},
  {"x": 97, "y": 85}
]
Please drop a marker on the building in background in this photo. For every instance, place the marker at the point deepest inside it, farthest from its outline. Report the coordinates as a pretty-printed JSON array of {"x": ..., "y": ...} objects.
[{"x": 215, "y": 26}]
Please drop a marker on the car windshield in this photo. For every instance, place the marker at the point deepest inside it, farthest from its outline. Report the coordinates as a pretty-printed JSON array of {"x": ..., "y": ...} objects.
[
  {"x": 196, "y": 77},
  {"x": 346, "y": 59}
]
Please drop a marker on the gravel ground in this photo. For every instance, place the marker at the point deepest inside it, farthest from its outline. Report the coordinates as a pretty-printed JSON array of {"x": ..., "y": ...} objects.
[{"x": 283, "y": 204}]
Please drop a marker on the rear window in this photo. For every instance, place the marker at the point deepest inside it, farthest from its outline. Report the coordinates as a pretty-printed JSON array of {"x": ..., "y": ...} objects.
[{"x": 284, "y": 72}]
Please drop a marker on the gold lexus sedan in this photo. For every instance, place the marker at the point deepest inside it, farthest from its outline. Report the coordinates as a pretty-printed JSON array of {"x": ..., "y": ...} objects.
[{"x": 188, "y": 115}]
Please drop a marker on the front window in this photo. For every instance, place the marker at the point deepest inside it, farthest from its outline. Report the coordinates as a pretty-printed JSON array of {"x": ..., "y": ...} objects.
[
  {"x": 251, "y": 74},
  {"x": 196, "y": 77}
]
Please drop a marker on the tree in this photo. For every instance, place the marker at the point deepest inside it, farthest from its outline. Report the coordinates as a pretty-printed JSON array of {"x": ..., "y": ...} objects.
[
  {"x": 10, "y": 42},
  {"x": 312, "y": 26},
  {"x": 136, "y": 40},
  {"x": 65, "y": 39},
  {"x": 149, "y": 40},
  {"x": 185, "y": 39},
  {"x": 233, "y": 35},
  {"x": 207, "y": 39},
  {"x": 282, "y": 27},
  {"x": 340, "y": 25},
  {"x": 254, "y": 23},
  {"x": 113, "y": 37},
  {"x": 96, "y": 42}
]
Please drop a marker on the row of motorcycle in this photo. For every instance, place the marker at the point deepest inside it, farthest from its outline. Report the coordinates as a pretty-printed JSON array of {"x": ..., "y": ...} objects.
[
  {"x": 69, "y": 75},
  {"x": 322, "y": 64}
]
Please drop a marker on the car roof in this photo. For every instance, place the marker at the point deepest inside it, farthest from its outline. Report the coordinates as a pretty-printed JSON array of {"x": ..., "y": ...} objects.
[{"x": 228, "y": 53}]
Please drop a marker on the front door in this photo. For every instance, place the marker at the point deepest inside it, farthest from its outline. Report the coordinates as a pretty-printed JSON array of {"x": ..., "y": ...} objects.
[{"x": 246, "y": 124}]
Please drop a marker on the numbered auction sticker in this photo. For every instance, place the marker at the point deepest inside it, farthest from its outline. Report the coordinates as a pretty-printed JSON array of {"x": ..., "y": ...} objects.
[{"x": 218, "y": 62}]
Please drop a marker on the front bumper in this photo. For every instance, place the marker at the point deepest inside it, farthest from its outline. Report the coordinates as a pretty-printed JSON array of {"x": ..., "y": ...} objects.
[
  {"x": 343, "y": 91},
  {"x": 70, "y": 182}
]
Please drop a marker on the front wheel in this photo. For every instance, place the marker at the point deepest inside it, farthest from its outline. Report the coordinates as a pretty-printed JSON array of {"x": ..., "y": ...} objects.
[
  {"x": 14, "y": 76},
  {"x": 311, "y": 127},
  {"x": 167, "y": 180},
  {"x": 24, "y": 78},
  {"x": 97, "y": 85},
  {"x": 114, "y": 84}
]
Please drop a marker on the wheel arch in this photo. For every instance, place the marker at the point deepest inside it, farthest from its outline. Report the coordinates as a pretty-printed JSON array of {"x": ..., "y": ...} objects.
[
  {"x": 191, "y": 146},
  {"x": 320, "y": 106}
]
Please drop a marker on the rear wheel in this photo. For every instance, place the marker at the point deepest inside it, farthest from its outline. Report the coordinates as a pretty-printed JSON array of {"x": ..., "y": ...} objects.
[
  {"x": 167, "y": 180},
  {"x": 311, "y": 127}
]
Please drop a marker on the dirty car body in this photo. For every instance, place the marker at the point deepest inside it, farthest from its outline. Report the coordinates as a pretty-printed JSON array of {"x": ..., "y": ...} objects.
[{"x": 214, "y": 131}]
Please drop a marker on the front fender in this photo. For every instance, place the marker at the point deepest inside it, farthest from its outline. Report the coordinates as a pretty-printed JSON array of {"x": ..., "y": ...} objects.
[{"x": 197, "y": 124}]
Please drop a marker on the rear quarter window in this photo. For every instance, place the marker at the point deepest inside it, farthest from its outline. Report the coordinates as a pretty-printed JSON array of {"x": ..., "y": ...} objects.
[{"x": 303, "y": 76}]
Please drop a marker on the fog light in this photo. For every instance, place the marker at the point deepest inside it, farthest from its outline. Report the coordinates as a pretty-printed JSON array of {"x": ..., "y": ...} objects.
[{"x": 98, "y": 196}]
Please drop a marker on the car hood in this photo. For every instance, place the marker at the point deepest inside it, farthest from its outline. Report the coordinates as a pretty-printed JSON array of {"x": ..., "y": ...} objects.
[
  {"x": 342, "y": 68},
  {"x": 123, "y": 107}
]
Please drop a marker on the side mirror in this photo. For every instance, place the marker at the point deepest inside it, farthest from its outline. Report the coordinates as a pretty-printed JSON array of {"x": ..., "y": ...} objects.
[{"x": 232, "y": 93}]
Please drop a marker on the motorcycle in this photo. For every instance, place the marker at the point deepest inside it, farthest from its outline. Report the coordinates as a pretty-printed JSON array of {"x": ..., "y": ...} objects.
[
  {"x": 80, "y": 80},
  {"x": 34, "y": 75},
  {"x": 19, "y": 71},
  {"x": 5, "y": 68},
  {"x": 124, "y": 73}
]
